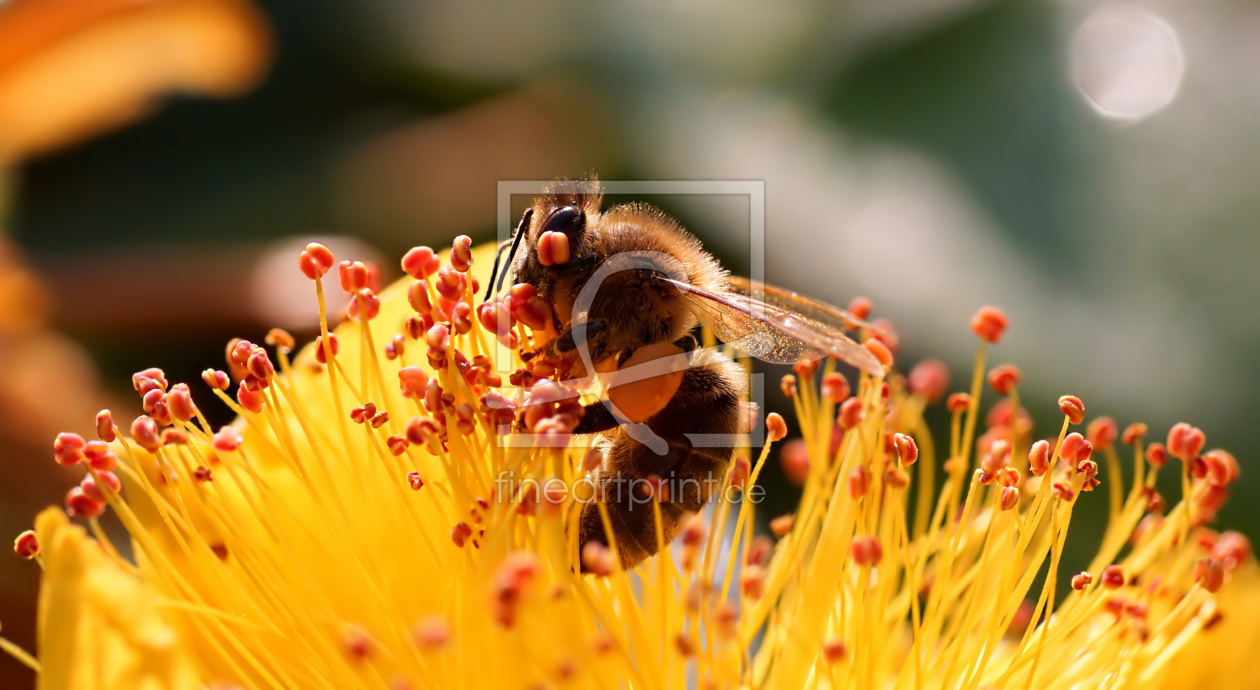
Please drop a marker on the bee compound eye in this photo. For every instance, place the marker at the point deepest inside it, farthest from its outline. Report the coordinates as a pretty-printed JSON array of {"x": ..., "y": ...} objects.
[{"x": 567, "y": 219}]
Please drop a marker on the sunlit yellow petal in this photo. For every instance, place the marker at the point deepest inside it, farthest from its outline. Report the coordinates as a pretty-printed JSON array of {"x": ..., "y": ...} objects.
[{"x": 100, "y": 627}]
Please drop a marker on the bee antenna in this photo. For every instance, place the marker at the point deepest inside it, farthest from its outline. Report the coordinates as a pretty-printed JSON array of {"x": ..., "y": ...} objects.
[{"x": 516, "y": 242}]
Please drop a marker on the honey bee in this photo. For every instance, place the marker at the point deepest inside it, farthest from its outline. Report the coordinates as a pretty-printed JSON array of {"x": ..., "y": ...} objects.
[{"x": 628, "y": 286}]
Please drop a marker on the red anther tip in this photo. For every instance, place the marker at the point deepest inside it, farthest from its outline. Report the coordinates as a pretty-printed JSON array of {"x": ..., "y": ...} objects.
[
  {"x": 805, "y": 366},
  {"x": 432, "y": 632},
  {"x": 852, "y": 413},
  {"x": 356, "y": 643},
  {"x": 1209, "y": 573},
  {"x": 1231, "y": 549},
  {"x": 239, "y": 350},
  {"x": 156, "y": 377},
  {"x": 1039, "y": 457},
  {"x": 752, "y": 581},
  {"x": 741, "y": 469},
  {"x": 694, "y": 532},
  {"x": 995, "y": 459},
  {"x": 597, "y": 559},
  {"x": 1222, "y": 467},
  {"x": 438, "y": 337},
  {"x": 353, "y": 275},
  {"x": 907, "y": 449},
  {"x": 1081, "y": 580},
  {"x": 1157, "y": 455},
  {"x": 216, "y": 379},
  {"x": 520, "y": 292},
  {"x": 99, "y": 456},
  {"x": 866, "y": 551},
  {"x": 1185, "y": 441},
  {"x": 399, "y": 344},
  {"x": 461, "y": 253},
  {"x": 1009, "y": 477},
  {"x": 989, "y": 324},
  {"x": 450, "y": 283},
  {"x": 759, "y": 551},
  {"x": 860, "y": 307},
  {"x": 958, "y": 402},
  {"x": 1133, "y": 433},
  {"x": 420, "y": 262},
  {"x": 1075, "y": 449},
  {"x": 152, "y": 398},
  {"x": 250, "y": 400},
  {"x": 1010, "y": 498},
  {"x": 460, "y": 534},
  {"x": 1102, "y": 432},
  {"x": 1072, "y": 408},
  {"x": 881, "y": 352},
  {"x": 203, "y": 474},
  {"x": 397, "y": 445},
  {"x": 92, "y": 489},
  {"x": 1113, "y": 577},
  {"x": 105, "y": 426},
  {"x": 316, "y": 260},
  {"x": 26, "y": 545},
  {"x": 413, "y": 381},
  {"x": 885, "y": 332},
  {"x": 414, "y": 481},
  {"x": 776, "y": 428},
  {"x": 833, "y": 650},
  {"x": 1003, "y": 378},
  {"x": 145, "y": 433},
  {"x": 897, "y": 478},
  {"x": 929, "y": 380},
  {"x": 421, "y": 430},
  {"x": 179, "y": 403},
  {"x": 534, "y": 312},
  {"x": 365, "y": 305},
  {"x": 280, "y": 339},
  {"x": 794, "y": 459},
  {"x": 79, "y": 504},
  {"x": 418, "y": 297},
  {"x": 227, "y": 439},
  {"x": 321, "y": 355},
  {"x": 68, "y": 449},
  {"x": 496, "y": 317},
  {"x": 461, "y": 318},
  {"x": 787, "y": 386},
  {"x": 552, "y": 249},
  {"x": 859, "y": 481},
  {"x": 835, "y": 387}
]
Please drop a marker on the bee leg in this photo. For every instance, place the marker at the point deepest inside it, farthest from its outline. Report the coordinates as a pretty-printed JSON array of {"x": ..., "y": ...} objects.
[{"x": 596, "y": 417}]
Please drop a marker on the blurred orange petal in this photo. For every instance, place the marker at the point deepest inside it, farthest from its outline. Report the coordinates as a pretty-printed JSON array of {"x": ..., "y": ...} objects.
[{"x": 73, "y": 68}]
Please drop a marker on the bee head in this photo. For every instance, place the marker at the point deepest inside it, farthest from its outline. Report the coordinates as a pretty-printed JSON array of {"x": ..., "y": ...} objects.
[{"x": 570, "y": 220}]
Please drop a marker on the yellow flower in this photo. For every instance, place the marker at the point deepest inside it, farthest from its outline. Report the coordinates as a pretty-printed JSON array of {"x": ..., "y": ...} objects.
[
  {"x": 344, "y": 534},
  {"x": 92, "y": 610}
]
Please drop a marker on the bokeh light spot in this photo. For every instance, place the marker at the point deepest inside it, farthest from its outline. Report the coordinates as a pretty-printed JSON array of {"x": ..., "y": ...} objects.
[{"x": 1127, "y": 62}]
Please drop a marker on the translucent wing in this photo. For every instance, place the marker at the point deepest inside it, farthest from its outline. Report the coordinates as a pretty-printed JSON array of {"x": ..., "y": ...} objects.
[
  {"x": 821, "y": 312},
  {"x": 783, "y": 329}
]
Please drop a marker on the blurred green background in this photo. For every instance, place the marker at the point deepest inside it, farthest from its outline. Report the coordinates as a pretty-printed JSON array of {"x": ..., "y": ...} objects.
[{"x": 1088, "y": 167}]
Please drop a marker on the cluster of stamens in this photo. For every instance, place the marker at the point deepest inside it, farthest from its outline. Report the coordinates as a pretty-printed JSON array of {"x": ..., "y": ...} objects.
[{"x": 826, "y": 591}]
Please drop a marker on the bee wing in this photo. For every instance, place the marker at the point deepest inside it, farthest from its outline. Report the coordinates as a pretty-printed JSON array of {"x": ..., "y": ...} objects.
[
  {"x": 782, "y": 331},
  {"x": 822, "y": 312}
]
